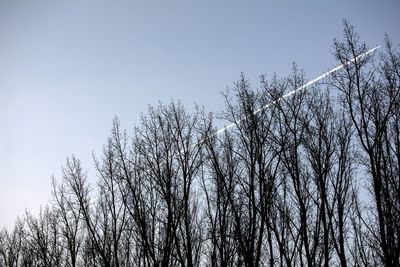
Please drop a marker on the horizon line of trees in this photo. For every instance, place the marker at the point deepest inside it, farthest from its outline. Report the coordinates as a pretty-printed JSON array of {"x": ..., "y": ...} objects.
[{"x": 314, "y": 180}]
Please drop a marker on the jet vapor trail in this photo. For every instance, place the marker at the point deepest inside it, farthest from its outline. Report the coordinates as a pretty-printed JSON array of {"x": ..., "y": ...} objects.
[{"x": 293, "y": 92}]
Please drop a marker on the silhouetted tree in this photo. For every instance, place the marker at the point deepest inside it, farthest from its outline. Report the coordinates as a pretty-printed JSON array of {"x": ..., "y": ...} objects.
[
  {"x": 70, "y": 220},
  {"x": 11, "y": 246},
  {"x": 43, "y": 238},
  {"x": 160, "y": 177},
  {"x": 371, "y": 96}
]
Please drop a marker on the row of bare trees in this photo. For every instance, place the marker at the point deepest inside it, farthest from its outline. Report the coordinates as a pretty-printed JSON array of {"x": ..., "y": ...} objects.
[{"x": 313, "y": 180}]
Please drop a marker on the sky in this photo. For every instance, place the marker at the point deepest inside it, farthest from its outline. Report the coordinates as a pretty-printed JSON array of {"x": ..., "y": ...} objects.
[{"x": 67, "y": 68}]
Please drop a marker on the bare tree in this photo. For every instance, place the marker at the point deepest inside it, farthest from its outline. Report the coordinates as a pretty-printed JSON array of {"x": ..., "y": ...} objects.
[
  {"x": 43, "y": 238},
  {"x": 160, "y": 186},
  {"x": 319, "y": 148},
  {"x": 70, "y": 220},
  {"x": 297, "y": 175},
  {"x": 11, "y": 246},
  {"x": 242, "y": 181},
  {"x": 342, "y": 187},
  {"x": 371, "y": 95},
  {"x": 96, "y": 218},
  {"x": 218, "y": 185}
]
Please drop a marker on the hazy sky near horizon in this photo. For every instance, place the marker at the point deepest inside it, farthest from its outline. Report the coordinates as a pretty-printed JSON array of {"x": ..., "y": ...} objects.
[{"x": 68, "y": 67}]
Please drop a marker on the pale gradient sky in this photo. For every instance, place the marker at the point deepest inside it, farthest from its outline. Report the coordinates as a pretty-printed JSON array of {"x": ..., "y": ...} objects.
[{"x": 68, "y": 67}]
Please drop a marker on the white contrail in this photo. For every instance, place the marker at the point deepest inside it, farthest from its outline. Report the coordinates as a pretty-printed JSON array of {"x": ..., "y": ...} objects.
[
  {"x": 292, "y": 92},
  {"x": 283, "y": 97}
]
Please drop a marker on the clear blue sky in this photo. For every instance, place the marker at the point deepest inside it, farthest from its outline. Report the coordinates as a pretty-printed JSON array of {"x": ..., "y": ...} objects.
[{"x": 68, "y": 67}]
